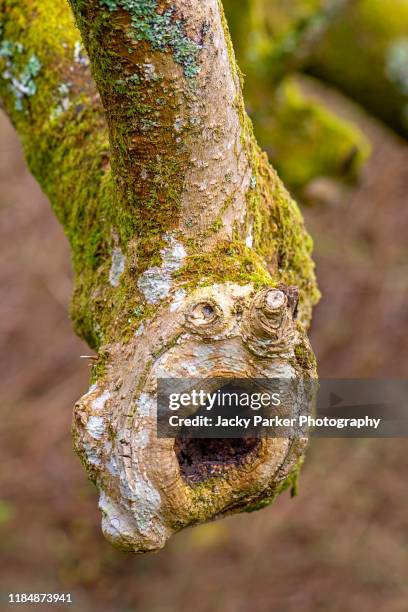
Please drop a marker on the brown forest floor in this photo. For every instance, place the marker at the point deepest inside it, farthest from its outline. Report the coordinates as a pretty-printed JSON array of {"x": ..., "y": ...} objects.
[{"x": 341, "y": 545}]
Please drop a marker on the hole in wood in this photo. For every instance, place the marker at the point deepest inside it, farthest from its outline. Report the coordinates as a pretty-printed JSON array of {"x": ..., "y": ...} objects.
[{"x": 203, "y": 458}]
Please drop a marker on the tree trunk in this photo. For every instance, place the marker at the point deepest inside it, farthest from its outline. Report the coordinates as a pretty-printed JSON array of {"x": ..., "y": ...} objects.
[{"x": 187, "y": 249}]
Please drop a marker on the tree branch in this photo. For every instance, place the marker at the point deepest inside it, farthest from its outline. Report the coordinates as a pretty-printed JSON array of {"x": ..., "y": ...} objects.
[
  {"x": 196, "y": 222},
  {"x": 49, "y": 94},
  {"x": 304, "y": 140},
  {"x": 364, "y": 53}
]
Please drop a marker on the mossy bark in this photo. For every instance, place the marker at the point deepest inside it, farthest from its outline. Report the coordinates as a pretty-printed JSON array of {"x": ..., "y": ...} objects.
[
  {"x": 180, "y": 207},
  {"x": 60, "y": 120}
]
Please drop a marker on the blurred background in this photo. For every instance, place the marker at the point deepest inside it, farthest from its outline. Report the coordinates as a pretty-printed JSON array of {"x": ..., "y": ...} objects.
[{"x": 342, "y": 543}]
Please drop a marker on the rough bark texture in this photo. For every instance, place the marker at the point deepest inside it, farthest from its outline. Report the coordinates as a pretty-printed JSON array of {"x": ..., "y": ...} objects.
[{"x": 181, "y": 214}]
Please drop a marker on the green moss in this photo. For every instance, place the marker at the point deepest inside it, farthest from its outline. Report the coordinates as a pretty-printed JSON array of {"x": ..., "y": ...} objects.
[
  {"x": 68, "y": 151},
  {"x": 294, "y": 262},
  {"x": 34, "y": 60},
  {"x": 147, "y": 209},
  {"x": 203, "y": 495},
  {"x": 291, "y": 482},
  {"x": 230, "y": 48},
  {"x": 66, "y": 144},
  {"x": 228, "y": 261},
  {"x": 218, "y": 224},
  {"x": 305, "y": 357}
]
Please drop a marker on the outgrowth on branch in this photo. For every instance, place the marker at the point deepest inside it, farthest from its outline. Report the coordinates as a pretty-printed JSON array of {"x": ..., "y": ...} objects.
[{"x": 191, "y": 259}]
